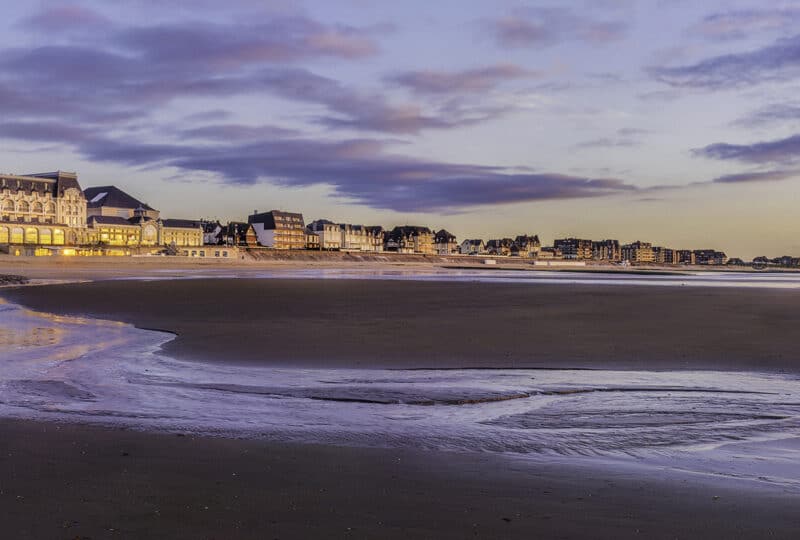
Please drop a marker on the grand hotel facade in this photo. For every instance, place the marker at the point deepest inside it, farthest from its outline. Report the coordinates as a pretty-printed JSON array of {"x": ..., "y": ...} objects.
[{"x": 49, "y": 210}]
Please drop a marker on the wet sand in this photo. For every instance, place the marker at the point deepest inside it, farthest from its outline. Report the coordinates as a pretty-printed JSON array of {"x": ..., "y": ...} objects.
[
  {"x": 411, "y": 324},
  {"x": 67, "y": 481}
]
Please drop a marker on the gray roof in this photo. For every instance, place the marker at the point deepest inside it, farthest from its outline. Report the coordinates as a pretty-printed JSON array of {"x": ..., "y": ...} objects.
[{"x": 112, "y": 196}]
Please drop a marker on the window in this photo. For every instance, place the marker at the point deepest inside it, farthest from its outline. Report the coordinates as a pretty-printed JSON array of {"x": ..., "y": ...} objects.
[
  {"x": 4, "y": 236},
  {"x": 45, "y": 236},
  {"x": 31, "y": 236},
  {"x": 58, "y": 237},
  {"x": 17, "y": 235}
]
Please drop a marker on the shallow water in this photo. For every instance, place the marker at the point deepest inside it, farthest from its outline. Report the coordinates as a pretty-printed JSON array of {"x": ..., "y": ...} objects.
[
  {"x": 69, "y": 368},
  {"x": 768, "y": 280}
]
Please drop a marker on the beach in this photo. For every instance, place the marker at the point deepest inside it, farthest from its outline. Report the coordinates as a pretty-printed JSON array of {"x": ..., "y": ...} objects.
[
  {"x": 413, "y": 324},
  {"x": 71, "y": 479}
]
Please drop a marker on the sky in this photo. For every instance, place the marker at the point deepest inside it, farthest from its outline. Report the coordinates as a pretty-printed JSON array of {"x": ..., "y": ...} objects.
[{"x": 669, "y": 121}]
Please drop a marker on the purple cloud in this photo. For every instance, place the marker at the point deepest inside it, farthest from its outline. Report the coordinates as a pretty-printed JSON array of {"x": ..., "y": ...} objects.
[
  {"x": 741, "y": 24},
  {"x": 757, "y": 176},
  {"x": 528, "y": 27},
  {"x": 624, "y": 137},
  {"x": 777, "y": 62},
  {"x": 780, "y": 151},
  {"x": 770, "y": 114},
  {"x": 465, "y": 81},
  {"x": 65, "y": 18}
]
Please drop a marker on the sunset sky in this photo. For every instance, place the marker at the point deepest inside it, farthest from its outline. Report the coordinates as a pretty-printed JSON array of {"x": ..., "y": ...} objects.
[{"x": 670, "y": 121}]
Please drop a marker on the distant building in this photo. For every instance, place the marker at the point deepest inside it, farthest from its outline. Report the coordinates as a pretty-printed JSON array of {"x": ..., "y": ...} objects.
[
  {"x": 473, "y": 246},
  {"x": 686, "y": 256},
  {"x": 500, "y": 246},
  {"x": 410, "y": 239},
  {"x": 664, "y": 255},
  {"x": 376, "y": 237},
  {"x": 116, "y": 218},
  {"x": 710, "y": 257},
  {"x": 212, "y": 232},
  {"x": 355, "y": 237},
  {"x": 329, "y": 233},
  {"x": 574, "y": 248},
  {"x": 607, "y": 250},
  {"x": 279, "y": 230},
  {"x": 527, "y": 246},
  {"x": 444, "y": 243},
  {"x": 42, "y": 209},
  {"x": 638, "y": 252},
  {"x": 312, "y": 240},
  {"x": 550, "y": 253},
  {"x": 239, "y": 233}
]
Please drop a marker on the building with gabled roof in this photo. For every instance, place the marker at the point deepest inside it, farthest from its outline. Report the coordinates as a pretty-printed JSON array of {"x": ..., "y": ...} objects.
[{"x": 112, "y": 201}]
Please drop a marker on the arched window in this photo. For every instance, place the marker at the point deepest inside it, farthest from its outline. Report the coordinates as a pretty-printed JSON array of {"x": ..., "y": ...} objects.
[
  {"x": 37, "y": 208},
  {"x": 51, "y": 208},
  {"x": 23, "y": 207},
  {"x": 31, "y": 236},
  {"x": 17, "y": 235},
  {"x": 8, "y": 206},
  {"x": 4, "y": 235},
  {"x": 45, "y": 236},
  {"x": 58, "y": 237}
]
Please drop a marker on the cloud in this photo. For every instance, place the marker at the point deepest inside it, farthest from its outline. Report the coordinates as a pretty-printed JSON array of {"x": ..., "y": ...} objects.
[
  {"x": 757, "y": 176},
  {"x": 537, "y": 27},
  {"x": 360, "y": 171},
  {"x": 779, "y": 151},
  {"x": 465, "y": 81},
  {"x": 624, "y": 137},
  {"x": 65, "y": 18},
  {"x": 744, "y": 23},
  {"x": 770, "y": 114},
  {"x": 779, "y": 61}
]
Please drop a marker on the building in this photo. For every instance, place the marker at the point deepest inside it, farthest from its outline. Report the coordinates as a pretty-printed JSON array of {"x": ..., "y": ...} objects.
[
  {"x": 41, "y": 209},
  {"x": 118, "y": 219},
  {"x": 212, "y": 232},
  {"x": 377, "y": 237},
  {"x": 238, "y": 233},
  {"x": 473, "y": 246},
  {"x": 574, "y": 248},
  {"x": 638, "y": 252},
  {"x": 501, "y": 246},
  {"x": 279, "y": 230},
  {"x": 112, "y": 201},
  {"x": 312, "y": 240},
  {"x": 686, "y": 256},
  {"x": 355, "y": 237},
  {"x": 665, "y": 255},
  {"x": 140, "y": 231},
  {"x": 607, "y": 250},
  {"x": 710, "y": 257},
  {"x": 444, "y": 243},
  {"x": 328, "y": 232},
  {"x": 526, "y": 246},
  {"x": 410, "y": 239}
]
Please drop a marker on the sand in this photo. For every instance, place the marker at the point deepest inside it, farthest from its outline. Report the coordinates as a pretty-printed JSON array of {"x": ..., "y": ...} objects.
[
  {"x": 73, "y": 481},
  {"x": 67, "y": 481},
  {"x": 407, "y": 324}
]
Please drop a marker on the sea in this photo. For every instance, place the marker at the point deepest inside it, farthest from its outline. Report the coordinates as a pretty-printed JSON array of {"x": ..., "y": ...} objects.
[{"x": 743, "y": 425}]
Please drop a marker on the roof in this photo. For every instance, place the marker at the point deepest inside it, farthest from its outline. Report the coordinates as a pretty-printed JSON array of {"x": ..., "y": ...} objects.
[
  {"x": 112, "y": 196},
  {"x": 268, "y": 219},
  {"x": 444, "y": 236},
  {"x": 55, "y": 182},
  {"x": 113, "y": 220},
  {"x": 474, "y": 242},
  {"x": 409, "y": 230},
  {"x": 181, "y": 223}
]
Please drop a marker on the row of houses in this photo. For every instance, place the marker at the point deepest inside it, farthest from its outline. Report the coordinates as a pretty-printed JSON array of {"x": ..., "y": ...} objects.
[
  {"x": 51, "y": 210},
  {"x": 635, "y": 252}
]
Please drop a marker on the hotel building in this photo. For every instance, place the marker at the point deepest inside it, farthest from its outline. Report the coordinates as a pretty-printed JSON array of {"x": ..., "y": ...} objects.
[{"x": 47, "y": 209}]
